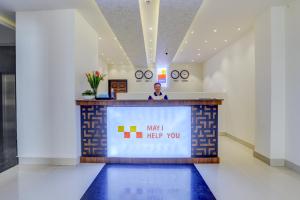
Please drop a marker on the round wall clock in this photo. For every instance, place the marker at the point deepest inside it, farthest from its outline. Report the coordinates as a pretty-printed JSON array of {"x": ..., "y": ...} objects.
[
  {"x": 148, "y": 74},
  {"x": 184, "y": 74},
  {"x": 175, "y": 74},
  {"x": 139, "y": 74}
]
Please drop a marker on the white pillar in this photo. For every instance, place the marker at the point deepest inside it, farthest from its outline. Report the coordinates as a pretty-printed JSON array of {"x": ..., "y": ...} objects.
[{"x": 270, "y": 86}]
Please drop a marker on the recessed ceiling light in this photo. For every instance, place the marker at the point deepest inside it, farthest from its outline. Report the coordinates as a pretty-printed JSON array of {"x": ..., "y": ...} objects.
[
  {"x": 205, "y": 41},
  {"x": 192, "y": 32},
  {"x": 239, "y": 29},
  {"x": 215, "y": 30},
  {"x": 100, "y": 38},
  {"x": 225, "y": 40},
  {"x": 150, "y": 28},
  {"x": 199, "y": 54},
  {"x": 215, "y": 49},
  {"x": 199, "y": 49}
]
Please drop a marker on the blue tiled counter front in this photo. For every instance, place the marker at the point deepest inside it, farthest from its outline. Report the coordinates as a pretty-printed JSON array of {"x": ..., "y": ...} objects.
[
  {"x": 204, "y": 129},
  {"x": 93, "y": 131}
]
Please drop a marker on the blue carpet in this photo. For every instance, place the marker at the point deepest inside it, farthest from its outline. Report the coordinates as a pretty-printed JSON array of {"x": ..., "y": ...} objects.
[{"x": 148, "y": 182}]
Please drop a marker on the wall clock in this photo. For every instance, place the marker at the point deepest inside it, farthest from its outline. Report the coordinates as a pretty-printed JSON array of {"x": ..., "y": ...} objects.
[
  {"x": 148, "y": 74},
  {"x": 139, "y": 74},
  {"x": 175, "y": 74},
  {"x": 184, "y": 74}
]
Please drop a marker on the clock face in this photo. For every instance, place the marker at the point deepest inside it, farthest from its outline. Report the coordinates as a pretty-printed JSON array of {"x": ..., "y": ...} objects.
[
  {"x": 148, "y": 74},
  {"x": 175, "y": 74},
  {"x": 184, "y": 74},
  {"x": 139, "y": 74}
]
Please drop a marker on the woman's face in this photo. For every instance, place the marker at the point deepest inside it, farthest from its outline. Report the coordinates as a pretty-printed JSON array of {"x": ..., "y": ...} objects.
[{"x": 157, "y": 88}]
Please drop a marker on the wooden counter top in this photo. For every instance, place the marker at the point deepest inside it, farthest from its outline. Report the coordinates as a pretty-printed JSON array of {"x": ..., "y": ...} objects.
[{"x": 147, "y": 103}]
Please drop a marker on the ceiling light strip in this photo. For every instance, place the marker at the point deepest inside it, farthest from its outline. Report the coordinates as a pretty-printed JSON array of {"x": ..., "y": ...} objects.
[{"x": 149, "y": 11}]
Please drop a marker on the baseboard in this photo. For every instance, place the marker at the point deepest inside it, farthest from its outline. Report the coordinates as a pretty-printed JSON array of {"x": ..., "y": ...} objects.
[
  {"x": 48, "y": 161},
  {"x": 223, "y": 134},
  {"x": 262, "y": 157},
  {"x": 292, "y": 166},
  {"x": 272, "y": 162},
  {"x": 243, "y": 142},
  {"x": 277, "y": 162},
  {"x": 268, "y": 161}
]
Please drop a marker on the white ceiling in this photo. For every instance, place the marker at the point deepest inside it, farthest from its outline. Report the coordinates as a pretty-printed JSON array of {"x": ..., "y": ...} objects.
[
  {"x": 109, "y": 47},
  {"x": 175, "y": 17},
  {"x": 22, "y": 5},
  {"x": 124, "y": 18},
  {"x": 229, "y": 18},
  {"x": 183, "y": 26}
]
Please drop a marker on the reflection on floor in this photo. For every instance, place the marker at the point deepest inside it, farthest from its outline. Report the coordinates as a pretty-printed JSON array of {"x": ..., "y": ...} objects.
[
  {"x": 238, "y": 176},
  {"x": 148, "y": 182}
]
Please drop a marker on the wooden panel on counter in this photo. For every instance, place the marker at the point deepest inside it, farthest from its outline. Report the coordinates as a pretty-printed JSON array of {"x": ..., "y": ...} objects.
[
  {"x": 213, "y": 160},
  {"x": 146, "y": 103}
]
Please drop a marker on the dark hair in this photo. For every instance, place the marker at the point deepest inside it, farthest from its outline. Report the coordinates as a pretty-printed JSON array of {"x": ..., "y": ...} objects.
[{"x": 157, "y": 83}]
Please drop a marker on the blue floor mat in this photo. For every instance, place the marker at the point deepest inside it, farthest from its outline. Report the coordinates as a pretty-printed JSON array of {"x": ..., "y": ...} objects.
[{"x": 148, "y": 182}]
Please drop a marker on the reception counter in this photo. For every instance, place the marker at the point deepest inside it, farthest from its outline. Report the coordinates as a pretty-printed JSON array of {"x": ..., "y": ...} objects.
[{"x": 140, "y": 131}]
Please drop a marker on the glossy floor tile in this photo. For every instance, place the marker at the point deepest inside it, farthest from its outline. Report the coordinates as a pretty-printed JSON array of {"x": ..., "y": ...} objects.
[
  {"x": 26, "y": 182},
  {"x": 148, "y": 182},
  {"x": 241, "y": 176}
]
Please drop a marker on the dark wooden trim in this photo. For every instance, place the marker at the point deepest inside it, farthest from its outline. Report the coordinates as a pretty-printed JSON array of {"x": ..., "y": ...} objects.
[
  {"x": 119, "y": 80},
  {"x": 212, "y": 160},
  {"x": 147, "y": 103}
]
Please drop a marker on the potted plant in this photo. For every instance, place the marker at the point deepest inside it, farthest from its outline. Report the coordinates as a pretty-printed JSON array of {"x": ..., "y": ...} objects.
[
  {"x": 94, "y": 79},
  {"x": 88, "y": 95}
]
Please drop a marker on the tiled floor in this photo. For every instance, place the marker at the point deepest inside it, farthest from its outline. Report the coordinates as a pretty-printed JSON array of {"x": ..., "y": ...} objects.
[{"x": 239, "y": 176}]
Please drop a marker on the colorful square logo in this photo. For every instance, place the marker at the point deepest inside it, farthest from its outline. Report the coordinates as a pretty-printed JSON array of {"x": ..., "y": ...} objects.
[
  {"x": 121, "y": 129},
  {"x": 132, "y": 129},
  {"x": 162, "y": 76}
]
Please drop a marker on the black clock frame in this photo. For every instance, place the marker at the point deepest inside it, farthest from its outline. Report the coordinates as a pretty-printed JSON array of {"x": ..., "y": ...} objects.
[
  {"x": 173, "y": 76},
  {"x": 146, "y": 76},
  {"x": 186, "y": 72},
  {"x": 139, "y": 71}
]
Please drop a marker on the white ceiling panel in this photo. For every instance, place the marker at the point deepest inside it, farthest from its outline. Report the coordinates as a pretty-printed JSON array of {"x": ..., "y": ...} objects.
[
  {"x": 175, "y": 17},
  {"x": 109, "y": 48},
  {"x": 124, "y": 18},
  {"x": 22, "y": 5},
  {"x": 218, "y": 24}
]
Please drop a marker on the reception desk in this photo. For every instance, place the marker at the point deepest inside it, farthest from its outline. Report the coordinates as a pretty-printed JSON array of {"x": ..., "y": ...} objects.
[{"x": 140, "y": 131}]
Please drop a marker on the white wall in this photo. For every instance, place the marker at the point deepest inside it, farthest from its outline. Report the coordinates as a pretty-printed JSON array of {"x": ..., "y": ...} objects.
[
  {"x": 231, "y": 71},
  {"x": 53, "y": 49},
  {"x": 293, "y": 82},
  {"x": 194, "y": 83},
  {"x": 86, "y": 52}
]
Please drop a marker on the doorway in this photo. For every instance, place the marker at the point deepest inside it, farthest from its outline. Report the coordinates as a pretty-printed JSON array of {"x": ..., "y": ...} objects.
[{"x": 8, "y": 125}]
